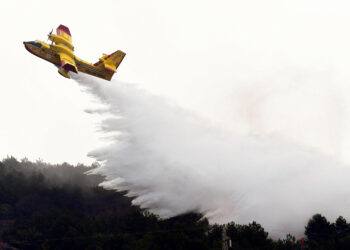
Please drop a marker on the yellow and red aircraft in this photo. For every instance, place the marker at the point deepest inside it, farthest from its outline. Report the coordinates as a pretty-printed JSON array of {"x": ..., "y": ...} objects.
[{"x": 61, "y": 53}]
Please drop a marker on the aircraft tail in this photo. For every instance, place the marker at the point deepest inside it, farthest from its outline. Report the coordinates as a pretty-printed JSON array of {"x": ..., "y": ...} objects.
[{"x": 111, "y": 62}]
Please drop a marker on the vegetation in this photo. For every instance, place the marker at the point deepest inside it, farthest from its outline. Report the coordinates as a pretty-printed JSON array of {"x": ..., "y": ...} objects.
[{"x": 45, "y": 206}]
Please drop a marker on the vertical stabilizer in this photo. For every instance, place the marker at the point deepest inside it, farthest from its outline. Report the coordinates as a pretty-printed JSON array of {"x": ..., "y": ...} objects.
[{"x": 111, "y": 62}]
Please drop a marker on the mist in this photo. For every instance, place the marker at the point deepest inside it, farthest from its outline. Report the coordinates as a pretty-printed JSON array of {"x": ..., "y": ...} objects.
[{"x": 172, "y": 161}]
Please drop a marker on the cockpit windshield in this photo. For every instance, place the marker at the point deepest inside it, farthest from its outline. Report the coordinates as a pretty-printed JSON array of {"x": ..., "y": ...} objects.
[{"x": 36, "y": 44}]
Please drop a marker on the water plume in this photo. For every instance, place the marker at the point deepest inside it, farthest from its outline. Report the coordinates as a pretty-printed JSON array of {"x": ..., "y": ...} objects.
[{"x": 173, "y": 162}]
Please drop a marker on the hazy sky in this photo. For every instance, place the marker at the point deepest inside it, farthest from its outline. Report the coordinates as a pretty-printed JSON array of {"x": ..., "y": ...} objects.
[{"x": 260, "y": 67}]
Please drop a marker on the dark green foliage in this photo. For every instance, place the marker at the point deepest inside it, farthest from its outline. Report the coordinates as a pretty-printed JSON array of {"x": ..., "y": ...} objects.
[
  {"x": 251, "y": 236},
  {"x": 322, "y": 234},
  {"x": 45, "y": 206},
  {"x": 215, "y": 236},
  {"x": 318, "y": 228},
  {"x": 288, "y": 243}
]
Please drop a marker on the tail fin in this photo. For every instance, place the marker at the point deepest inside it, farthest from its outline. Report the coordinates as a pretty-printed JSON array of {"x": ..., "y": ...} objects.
[{"x": 111, "y": 62}]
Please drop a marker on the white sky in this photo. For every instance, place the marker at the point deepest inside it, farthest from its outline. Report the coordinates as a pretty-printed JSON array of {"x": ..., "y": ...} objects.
[{"x": 211, "y": 57}]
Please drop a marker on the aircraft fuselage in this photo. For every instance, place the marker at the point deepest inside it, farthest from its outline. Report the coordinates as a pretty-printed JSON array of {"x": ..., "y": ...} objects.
[
  {"x": 50, "y": 54},
  {"x": 44, "y": 51},
  {"x": 61, "y": 53}
]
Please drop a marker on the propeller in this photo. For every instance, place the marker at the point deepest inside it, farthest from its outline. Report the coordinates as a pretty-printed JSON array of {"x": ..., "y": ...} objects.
[{"x": 49, "y": 35}]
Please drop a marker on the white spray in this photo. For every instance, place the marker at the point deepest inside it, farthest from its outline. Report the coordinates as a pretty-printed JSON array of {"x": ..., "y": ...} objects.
[{"x": 174, "y": 162}]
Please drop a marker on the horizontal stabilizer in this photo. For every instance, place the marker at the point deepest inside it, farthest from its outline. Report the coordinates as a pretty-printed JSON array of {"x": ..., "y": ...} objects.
[{"x": 111, "y": 62}]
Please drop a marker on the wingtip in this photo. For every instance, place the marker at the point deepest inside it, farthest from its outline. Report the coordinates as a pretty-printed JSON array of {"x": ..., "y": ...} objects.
[{"x": 65, "y": 29}]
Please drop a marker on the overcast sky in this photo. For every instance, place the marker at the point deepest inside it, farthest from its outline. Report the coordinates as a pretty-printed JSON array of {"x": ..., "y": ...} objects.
[{"x": 233, "y": 62}]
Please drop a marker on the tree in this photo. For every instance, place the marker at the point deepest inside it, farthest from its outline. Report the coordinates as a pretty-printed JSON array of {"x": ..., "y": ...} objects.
[
  {"x": 251, "y": 236},
  {"x": 320, "y": 233},
  {"x": 341, "y": 226}
]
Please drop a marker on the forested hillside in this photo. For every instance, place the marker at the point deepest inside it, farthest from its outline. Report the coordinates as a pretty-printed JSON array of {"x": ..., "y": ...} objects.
[{"x": 44, "y": 206}]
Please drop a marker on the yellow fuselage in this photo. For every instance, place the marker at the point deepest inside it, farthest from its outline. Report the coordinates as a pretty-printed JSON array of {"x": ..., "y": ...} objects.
[{"x": 51, "y": 53}]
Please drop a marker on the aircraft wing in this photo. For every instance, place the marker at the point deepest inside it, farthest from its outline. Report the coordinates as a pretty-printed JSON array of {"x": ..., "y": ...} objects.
[
  {"x": 68, "y": 62},
  {"x": 64, "y": 47}
]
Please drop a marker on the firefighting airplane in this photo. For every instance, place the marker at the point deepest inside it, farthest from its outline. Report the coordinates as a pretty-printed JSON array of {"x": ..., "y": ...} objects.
[{"x": 60, "y": 53}]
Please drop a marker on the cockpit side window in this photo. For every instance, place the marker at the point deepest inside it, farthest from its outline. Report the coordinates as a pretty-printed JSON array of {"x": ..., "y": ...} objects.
[{"x": 38, "y": 45}]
